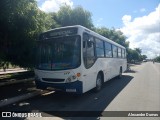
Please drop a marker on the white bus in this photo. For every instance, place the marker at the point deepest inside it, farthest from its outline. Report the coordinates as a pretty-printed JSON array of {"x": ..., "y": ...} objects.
[{"x": 76, "y": 59}]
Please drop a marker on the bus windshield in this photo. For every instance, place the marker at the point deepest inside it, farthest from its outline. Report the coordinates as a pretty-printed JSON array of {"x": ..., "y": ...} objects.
[{"x": 59, "y": 53}]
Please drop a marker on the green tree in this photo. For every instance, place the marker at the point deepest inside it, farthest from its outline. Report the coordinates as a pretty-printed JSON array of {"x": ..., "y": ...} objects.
[
  {"x": 112, "y": 34},
  {"x": 67, "y": 16},
  {"x": 138, "y": 50},
  {"x": 143, "y": 57},
  {"x": 157, "y": 59},
  {"x": 134, "y": 55},
  {"x": 21, "y": 21}
]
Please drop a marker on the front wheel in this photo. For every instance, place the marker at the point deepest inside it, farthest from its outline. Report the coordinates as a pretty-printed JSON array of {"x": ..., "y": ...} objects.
[{"x": 99, "y": 83}]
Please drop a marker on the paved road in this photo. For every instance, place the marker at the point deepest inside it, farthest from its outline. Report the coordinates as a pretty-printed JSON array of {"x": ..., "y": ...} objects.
[
  {"x": 138, "y": 90},
  {"x": 13, "y": 90},
  {"x": 142, "y": 94}
]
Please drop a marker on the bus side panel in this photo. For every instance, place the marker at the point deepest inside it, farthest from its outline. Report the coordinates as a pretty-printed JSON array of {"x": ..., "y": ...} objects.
[
  {"x": 108, "y": 68},
  {"x": 89, "y": 78},
  {"x": 112, "y": 67},
  {"x": 124, "y": 66}
]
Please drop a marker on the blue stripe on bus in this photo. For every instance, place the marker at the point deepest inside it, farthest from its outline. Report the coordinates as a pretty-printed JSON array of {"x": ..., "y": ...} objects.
[{"x": 62, "y": 86}]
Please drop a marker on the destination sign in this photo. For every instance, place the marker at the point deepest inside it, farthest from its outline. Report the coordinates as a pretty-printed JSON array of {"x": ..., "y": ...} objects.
[
  {"x": 63, "y": 32},
  {"x": 58, "y": 33}
]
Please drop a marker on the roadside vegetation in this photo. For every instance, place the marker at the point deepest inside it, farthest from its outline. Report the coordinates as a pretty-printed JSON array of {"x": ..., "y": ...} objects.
[
  {"x": 22, "y": 21},
  {"x": 157, "y": 59}
]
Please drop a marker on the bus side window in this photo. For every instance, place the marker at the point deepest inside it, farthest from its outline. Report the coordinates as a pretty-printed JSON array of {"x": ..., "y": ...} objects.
[
  {"x": 115, "y": 51},
  {"x": 84, "y": 44},
  {"x": 88, "y": 50},
  {"x": 85, "y": 38},
  {"x": 90, "y": 47},
  {"x": 119, "y": 52}
]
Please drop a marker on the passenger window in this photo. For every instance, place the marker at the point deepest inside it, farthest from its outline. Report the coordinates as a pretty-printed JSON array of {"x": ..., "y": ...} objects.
[
  {"x": 108, "y": 49},
  {"x": 88, "y": 50},
  {"x": 119, "y": 52},
  {"x": 99, "y": 48},
  {"x": 114, "y": 49},
  {"x": 108, "y": 46},
  {"x": 123, "y": 53}
]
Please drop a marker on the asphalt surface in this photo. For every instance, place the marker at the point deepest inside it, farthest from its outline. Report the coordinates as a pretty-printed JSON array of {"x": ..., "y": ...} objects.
[
  {"x": 12, "y": 90},
  {"x": 142, "y": 94},
  {"x": 137, "y": 90}
]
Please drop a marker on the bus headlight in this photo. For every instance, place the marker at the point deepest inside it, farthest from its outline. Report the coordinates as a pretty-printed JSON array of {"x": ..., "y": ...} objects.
[{"x": 71, "y": 78}]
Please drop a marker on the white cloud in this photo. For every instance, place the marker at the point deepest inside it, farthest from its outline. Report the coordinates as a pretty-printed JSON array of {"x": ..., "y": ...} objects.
[
  {"x": 54, "y": 5},
  {"x": 126, "y": 19},
  {"x": 144, "y": 32}
]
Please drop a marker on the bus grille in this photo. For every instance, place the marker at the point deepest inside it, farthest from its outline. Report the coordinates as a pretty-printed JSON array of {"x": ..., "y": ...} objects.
[{"x": 52, "y": 80}]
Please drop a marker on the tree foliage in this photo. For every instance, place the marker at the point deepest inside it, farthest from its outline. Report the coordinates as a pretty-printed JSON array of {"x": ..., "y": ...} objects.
[
  {"x": 67, "y": 16},
  {"x": 21, "y": 21},
  {"x": 112, "y": 34},
  {"x": 143, "y": 57},
  {"x": 134, "y": 55},
  {"x": 157, "y": 59}
]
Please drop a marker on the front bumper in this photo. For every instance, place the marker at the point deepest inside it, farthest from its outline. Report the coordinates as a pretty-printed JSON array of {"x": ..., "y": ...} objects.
[{"x": 74, "y": 87}]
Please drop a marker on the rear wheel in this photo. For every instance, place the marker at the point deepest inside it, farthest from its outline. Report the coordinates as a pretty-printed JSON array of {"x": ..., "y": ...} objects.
[
  {"x": 99, "y": 83},
  {"x": 120, "y": 73}
]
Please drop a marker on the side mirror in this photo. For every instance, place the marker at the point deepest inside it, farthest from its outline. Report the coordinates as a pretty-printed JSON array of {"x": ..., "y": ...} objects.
[{"x": 90, "y": 43}]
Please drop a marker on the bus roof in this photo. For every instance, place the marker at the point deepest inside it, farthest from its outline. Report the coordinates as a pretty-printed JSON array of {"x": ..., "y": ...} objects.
[{"x": 90, "y": 32}]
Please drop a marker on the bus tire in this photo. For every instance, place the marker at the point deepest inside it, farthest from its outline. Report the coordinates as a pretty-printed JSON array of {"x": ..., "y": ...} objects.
[
  {"x": 99, "y": 83},
  {"x": 120, "y": 73}
]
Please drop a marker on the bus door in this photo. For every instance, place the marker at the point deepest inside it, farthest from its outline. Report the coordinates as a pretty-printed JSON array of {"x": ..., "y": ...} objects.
[{"x": 90, "y": 71}]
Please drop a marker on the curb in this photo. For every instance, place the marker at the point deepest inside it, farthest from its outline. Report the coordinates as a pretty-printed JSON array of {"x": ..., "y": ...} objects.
[
  {"x": 12, "y": 71},
  {"x": 16, "y": 81}
]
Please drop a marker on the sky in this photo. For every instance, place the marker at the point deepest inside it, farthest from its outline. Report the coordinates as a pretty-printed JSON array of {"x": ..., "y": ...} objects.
[{"x": 139, "y": 20}]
